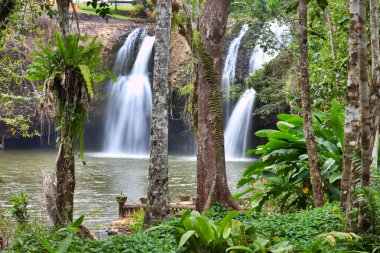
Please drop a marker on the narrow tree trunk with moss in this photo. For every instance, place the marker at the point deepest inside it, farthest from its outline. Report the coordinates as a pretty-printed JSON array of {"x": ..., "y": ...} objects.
[
  {"x": 368, "y": 117},
  {"x": 66, "y": 90},
  {"x": 316, "y": 180},
  {"x": 158, "y": 206},
  {"x": 352, "y": 123},
  {"x": 375, "y": 81},
  {"x": 211, "y": 166},
  {"x": 63, "y": 16}
]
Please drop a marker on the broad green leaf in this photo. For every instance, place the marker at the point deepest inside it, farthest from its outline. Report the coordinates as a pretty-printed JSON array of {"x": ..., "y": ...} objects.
[
  {"x": 334, "y": 177},
  {"x": 284, "y": 126},
  {"x": 65, "y": 244},
  {"x": 46, "y": 245},
  {"x": 227, "y": 219},
  {"x": 265, "y": 132},
  {"x": 185, "y": 237},
  {"x": 205, "y": 229},
  {"x": 78, "y": 222},
  {"x": 226, "y": 232},
  {"x": 283, "y": 136},
  {"x": 292, "y": 119},
  {"x": 86, "y": 73},
  {"x": 238, "y": 195},
  {"x": 246, "y": 249}
]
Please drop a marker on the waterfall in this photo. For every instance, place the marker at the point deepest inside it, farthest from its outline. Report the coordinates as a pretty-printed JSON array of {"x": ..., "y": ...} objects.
[
  {"x": 259, "y": 57},
  {"x": 238, "y": 129},
  {"x": 228, "y": 75},
  {"x": 130, "y": 105}
]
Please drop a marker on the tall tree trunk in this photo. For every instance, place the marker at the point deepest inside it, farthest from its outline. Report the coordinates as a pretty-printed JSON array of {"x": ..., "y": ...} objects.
[
  {"x": 316, "y": 181},
  {"x": 63, "y": 16},
  {"x": 375, "y": 80},
  {"x": 332, "y": 30},
  {"x": 65, "y": 163},
  {"x": 211, "y": 166},
  {"x": 158, "y": 207},
  {"x": 368, "y": 114},
  {"x": 352, "y": 124}
]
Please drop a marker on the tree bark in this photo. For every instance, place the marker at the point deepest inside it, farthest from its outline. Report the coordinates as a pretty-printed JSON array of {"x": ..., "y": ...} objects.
[
  {"x": 211, "y": 167},
  {"x": 63, "y": 16},
  {"x": 158, "y": 207},
  {"x": 352, "y": 124},
  {"x": 332, "y": 30},
  {"x": 316, "y": 181},
  {"x": 368, "y": 118}
]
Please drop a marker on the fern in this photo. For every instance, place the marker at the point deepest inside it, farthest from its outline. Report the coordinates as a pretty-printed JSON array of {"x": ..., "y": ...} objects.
[{"x": 70, "y": 60}]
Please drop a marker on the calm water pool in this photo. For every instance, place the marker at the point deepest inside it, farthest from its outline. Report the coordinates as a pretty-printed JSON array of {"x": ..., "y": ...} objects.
[{"x": 99, "y": 182}]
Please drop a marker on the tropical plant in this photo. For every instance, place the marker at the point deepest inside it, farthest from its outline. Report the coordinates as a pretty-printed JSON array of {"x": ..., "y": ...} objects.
[
  {"x": 196, "y": 233},
  {"x": 63, "y": 245},
  {"x": 282, "y": 171},
  {"x": 68, "y": 69},
  {"x": 19, "y": 209}
]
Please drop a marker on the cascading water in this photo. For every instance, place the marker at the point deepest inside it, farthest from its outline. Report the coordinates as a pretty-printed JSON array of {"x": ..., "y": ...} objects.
[
  {"x": 228, "y": 75},
  {"x": 240, "y": 123},
  {"x": 130, "y": 105},
  {"x": 239, "y": 126},
  {"x": 259, "y": 57}
]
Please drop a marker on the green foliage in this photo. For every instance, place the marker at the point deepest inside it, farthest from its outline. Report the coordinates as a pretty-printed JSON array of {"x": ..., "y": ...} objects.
[
  {"x": 28, "y": 240},
  {"x": 19, "y": 209},
  {"x": 65, "y": 243},
  {"x": 196, "y": 233},
  {"x": 101, "y": 8},
  {"x": 270, "y": 84},
  {"x": 282, "y": 171},
  {"x": 317, "y": 230},
  {"x": 371, "y": 197},
  {"x": 69, "y": 59}
]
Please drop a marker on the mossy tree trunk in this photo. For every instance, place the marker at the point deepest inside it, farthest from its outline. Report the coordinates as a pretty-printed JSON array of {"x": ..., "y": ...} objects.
[
  {"x": 316, "y": 180},
  {"x": 158, "y": 206},
  {"x": 211, "y": 166},
  {"x": 369, "y": 100},
  {"x": 352, "y": 124}
]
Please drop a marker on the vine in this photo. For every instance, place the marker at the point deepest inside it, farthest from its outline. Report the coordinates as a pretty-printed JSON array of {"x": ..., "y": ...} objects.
[{"x": 211, "y": 78}]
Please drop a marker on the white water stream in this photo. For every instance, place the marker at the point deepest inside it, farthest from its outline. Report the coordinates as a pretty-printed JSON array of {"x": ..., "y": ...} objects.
[{"x": 130, "y": 106}]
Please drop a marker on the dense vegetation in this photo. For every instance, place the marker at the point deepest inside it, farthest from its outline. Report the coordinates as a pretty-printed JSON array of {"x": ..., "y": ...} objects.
[{"x": 315, "y": 185}]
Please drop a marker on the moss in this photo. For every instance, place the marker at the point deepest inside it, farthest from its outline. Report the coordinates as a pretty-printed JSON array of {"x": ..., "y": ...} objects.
[{"x": 211, "y": 77}]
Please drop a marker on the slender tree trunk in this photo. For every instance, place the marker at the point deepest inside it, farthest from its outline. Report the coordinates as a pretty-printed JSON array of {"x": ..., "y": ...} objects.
[
  {"x": 352, "y": 124},
  {"x": 368, "y": 115},
  {"x": 316, "y": 181},
  {"x": 375, "y": 80},
  {"x": 332, "y": 30},
  {"x": 211, "y": 166},
  {"x": 63, "y": 15},
  {"x": 158, "y": 207}
]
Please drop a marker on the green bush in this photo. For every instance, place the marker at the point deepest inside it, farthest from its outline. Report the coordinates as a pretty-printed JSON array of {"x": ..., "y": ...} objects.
[
  {"x": 28, "y": 240},
  {"x": 19, "y": 209},
  {"x": 282, "y": 171}
]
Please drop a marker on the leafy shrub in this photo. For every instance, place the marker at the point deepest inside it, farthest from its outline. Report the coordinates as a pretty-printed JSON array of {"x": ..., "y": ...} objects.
[
  {"x": 28, "y": 240},
  {"x": 197, "y": 234},
  {"x": 19, "y": 208},
  {"x": 301, "y": 229},
  {"x": 282, "y": 171}
]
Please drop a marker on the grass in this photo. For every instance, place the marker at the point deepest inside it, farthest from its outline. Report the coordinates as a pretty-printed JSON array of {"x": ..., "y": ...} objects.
[{"x": 121, "y": 13}]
